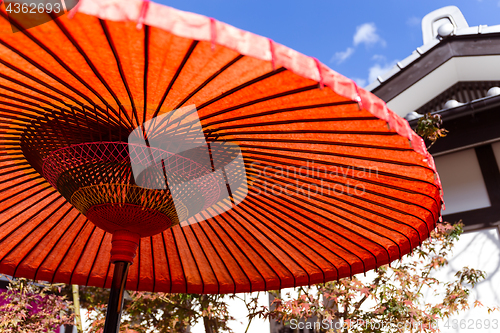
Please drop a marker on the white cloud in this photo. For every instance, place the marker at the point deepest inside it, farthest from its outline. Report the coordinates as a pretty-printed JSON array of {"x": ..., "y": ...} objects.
[
  {"x": 378, "y": 69},
  {"x": 379, "y": 57},
  {"x": 413, "y": 21},
  {"x": 367, "y": 34},
  {"x": 342, "y": 56},
  {"x": 360, "y": 82}
]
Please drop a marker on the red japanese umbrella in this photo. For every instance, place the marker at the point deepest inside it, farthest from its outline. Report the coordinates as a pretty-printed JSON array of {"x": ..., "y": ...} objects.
[{"x": 213, "y": 159}]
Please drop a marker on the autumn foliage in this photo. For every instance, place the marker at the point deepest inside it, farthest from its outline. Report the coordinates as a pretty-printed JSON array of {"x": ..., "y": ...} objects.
[{"x": 389, "y": 300}]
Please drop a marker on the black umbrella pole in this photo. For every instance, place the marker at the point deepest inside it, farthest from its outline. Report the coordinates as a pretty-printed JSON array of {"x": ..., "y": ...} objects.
[{"x": 115, "y": 304}]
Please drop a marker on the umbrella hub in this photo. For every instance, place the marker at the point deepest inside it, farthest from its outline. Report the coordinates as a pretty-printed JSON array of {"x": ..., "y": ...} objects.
[
  {"x": 124, "y": 246},
  {"x": 136, "y": 219},
  {"x": 98, "y": 179}
]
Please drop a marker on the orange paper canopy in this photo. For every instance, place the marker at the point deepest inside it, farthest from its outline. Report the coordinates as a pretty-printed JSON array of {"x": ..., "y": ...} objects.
[{"x": 337, "y": 184}]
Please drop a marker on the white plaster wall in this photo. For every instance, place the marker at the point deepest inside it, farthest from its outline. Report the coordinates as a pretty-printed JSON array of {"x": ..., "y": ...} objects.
[
  {"x": 478, "y": 250},
  {"x": 463, "y": 183},
  {"x": 238, "y": 310},
  {"x": 496, "y": 150}
]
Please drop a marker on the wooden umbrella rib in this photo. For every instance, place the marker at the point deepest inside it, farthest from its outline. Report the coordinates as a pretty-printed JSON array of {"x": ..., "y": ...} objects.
[
  {"x": 218, "y": 254},
  {"x": 269, "y": 238},
  {"x": 42, "y": 83},
  {"x": 221, "y": 239},
  {"x": 285, "y": 122},
  {"x": 17, "y": 99},
  {"x": 16, "y": 194},
  {"x": 19, "y": 176},
  {"x": 59, "y": 61},
  {"x": 69, "y": 247},
  {"x": 290, "y": 207},
  {"x": 147, "y": 36},
  {"x": 375, "y": 213},
  {"x": 291, "y": 109},
  {"x": 195, "y": 261},
  {"x": 16, "y": 165},
  {"x": 11, "y": 141},
  {"x": 384, "y": 173},
  {"x": 96, "y": 118},
  {"x": 366, "y": 180},
  {"x": 120, "y": 70},
  {"x": 302, "y": 121},
  {"x": 330, "y": 154},
  {"x": 327, "y": 228},
  {"x": 382, "y": 195},
  {"x": 210, "y": 79},
  {"x": 298, "y": 131},
  {"x": 77, "y": 121},
  {"x": 81, "y": 254},
  {"x": 176, "y": 75},
  {"x": 307, "y": 235},
  {"x": 180, "y": 260},
  {"x": 153, "y": 261},
  {"x": 230, "y": 225},
  {"x": 86, "y": 120},
  {"x": 38, "y": 91},
  {"x": 138, "y": 265},
  {"x": 255, "y": 101},
  {"x": 337, "y": 198},
  {"x": 65, "y": 132},
  {"x": 377, "y": 183},
  {"x": 18, "y": 115},
  {"x": 46, "y": 72},
  {"x": 99, "y": 117},
  {"x": 58, "y": 198},
  {"x": 236, "y": 220},
  {"x": 207, "y": 259},
  {"x": 89, "y": 62},
  {"x": 239, "y": 87},
  {"x": 355, "y": 223},
  {"x": 11, "y": 130},
  {"x": 315, "y": 142},
  {"x": 379, "y": 204},
  {"x": 20, "y": 93},
  {"x": 168, "y": 263},
  {"x": 48, "y": 51},
  {"x": 40, "y": 238},
  {"x": 17, "y": 203},
  {"x": 11, "y": 151},
  {"x": 32, "y": 172},
  {"x": 54, "y": 244},
  {"x": 95, "y": 258},
  {"x": 160, "y": 125}
]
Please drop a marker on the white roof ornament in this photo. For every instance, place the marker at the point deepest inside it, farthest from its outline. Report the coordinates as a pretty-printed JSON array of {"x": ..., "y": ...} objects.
[
  {"x": 412, "y": 116},
  {"x": 493, "y": 91},
  {"x": 446, "y": 29},
  {"x": 442, "y": 22},
  {"x": 452, "y": 104}
]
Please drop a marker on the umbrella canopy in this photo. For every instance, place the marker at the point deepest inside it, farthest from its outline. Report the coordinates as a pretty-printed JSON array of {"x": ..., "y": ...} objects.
[{"x": 327, "y": 182}]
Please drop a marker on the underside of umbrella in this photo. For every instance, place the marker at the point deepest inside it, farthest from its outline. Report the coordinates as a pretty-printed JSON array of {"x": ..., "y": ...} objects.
[{"x": 331, "y": 183}]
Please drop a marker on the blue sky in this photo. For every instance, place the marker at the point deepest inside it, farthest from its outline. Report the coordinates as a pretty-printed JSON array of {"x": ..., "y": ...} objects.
[{"x": 359, "y": 38}]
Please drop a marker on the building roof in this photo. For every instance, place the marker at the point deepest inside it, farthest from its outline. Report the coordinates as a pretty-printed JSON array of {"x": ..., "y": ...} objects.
[{"x": 449, "y": 55}]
